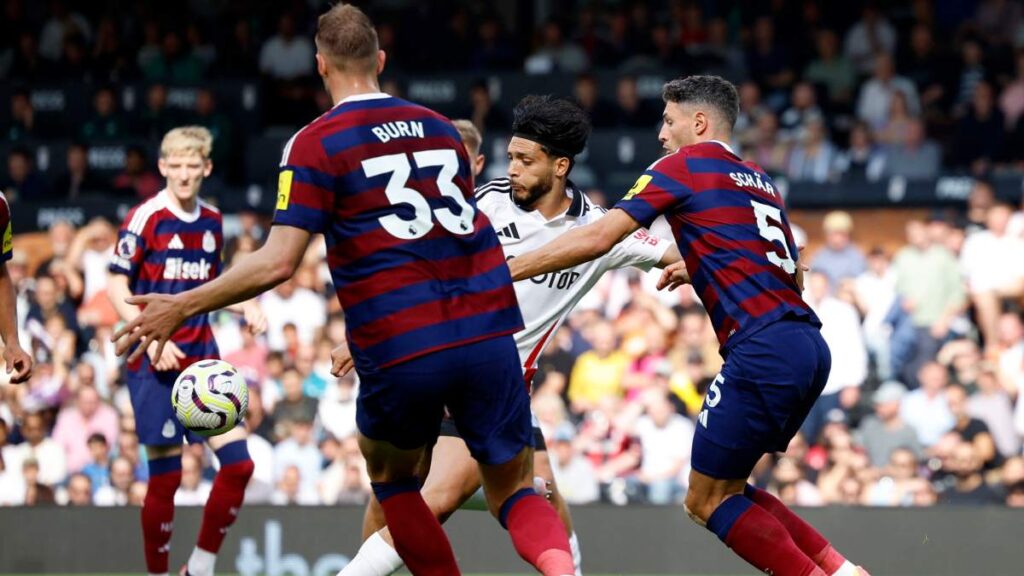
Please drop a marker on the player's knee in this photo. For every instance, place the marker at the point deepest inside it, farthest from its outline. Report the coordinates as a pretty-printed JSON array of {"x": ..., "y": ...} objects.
[
  {"x": 698, "y": 507},
  {"x": 442, "y": 501}
]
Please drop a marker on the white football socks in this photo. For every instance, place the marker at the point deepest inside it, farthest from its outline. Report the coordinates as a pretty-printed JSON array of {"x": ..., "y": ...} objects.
[
  {"x": 375, "y": 558},
  {"x": 201, "y": 562},
  {"x": 577, "y": 557},
  {"x": 847, "y": 569}
]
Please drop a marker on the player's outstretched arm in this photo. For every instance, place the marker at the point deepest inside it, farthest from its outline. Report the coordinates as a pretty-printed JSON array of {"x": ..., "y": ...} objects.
[
  {"x": 577, "y": 246},
  {"x": 17, "y": 360},
  {"x": 258, "y": 272}
]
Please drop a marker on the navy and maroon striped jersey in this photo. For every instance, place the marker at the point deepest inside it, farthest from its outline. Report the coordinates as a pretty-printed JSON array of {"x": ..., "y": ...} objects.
[
  {"x": 7, "y": 250},
  {"x": 731, "y": 227},
  {"x": 417, "y": 268},
  {"x": 164, "y": 250}
]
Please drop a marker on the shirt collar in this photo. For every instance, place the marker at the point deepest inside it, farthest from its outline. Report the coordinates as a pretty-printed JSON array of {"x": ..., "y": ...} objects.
[{"x": 724, "y": 145}]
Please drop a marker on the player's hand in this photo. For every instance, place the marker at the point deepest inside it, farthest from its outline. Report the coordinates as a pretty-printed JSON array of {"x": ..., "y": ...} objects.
[
  {"x": 254, "y": 319},
  {"x": 673, "y": 276},
  {"x": 161, "y": 317},
  {"x": 19, "y": 363},
  {"x": 170, "y": 359},
  {"x": 341, "y": 360}
]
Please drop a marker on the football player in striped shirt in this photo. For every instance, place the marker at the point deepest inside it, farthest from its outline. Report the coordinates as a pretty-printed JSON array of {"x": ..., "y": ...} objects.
[
  {"x": 166, "y": 245},
  {"x": 18, "y": 363},
  {"x": 428, "y": 299},
  {"x": 535, "y": 204},
  {"x": 728, "y": 219}
]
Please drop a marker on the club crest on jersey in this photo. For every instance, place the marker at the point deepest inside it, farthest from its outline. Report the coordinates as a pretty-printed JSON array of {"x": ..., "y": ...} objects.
[
  {"x": 209, "y": 242},
  {"x": 127, "y": 245}
]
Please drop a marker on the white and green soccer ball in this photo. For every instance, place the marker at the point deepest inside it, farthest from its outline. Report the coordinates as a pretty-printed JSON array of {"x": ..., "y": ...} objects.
[{"x": 210, "y": 397}]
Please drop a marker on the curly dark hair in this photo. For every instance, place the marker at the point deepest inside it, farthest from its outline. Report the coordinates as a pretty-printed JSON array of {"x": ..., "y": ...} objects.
[
  {"x": 560, "y": 126},
  {"x": 713, "y": 91}
]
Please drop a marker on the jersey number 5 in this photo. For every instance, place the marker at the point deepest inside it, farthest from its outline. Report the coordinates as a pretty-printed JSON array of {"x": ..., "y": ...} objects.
[
  {"x": 396, "y": 191},
  {"x": 774, "y": 234}
]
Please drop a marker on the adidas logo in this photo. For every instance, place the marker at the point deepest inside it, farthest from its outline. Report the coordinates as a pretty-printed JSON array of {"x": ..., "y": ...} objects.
[
  {"x": 176, "y": 243},
  {"x": 509, "y": 231}
]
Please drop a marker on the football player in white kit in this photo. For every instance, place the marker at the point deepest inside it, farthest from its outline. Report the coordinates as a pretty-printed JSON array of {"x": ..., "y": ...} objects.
[{"x": 536, "y": 203}]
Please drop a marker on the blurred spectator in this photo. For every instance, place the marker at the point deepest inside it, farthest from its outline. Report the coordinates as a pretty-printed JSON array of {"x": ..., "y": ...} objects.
[
  {"x": 295, "y": 406},
  {"x": 194, "y": 489},
  {"x": 665, "y": 438},
  {"x": 862, "y": 160},
  {"x": 979, "y": 135},
  {"x": 1011, "y": 101},
  {"x": 999, "y": 20},
  {"x": 110, "y": 61},
  {"x": 971, "y": 72},
  {"x": 98, "y": 467},
  {"x": 991, "y": 404},
  {"x": 597, "y": 374},
  {"x": 299, "y": 450},
  {"x": 601, "y": 112},
  {"x": 79, "y": 491},
  {"x": 916, "y": 158},
  {"x": 36, "y": 493},
  {"x": 792, "y": 485},
  {"x": 174, "y": 63},
  {"x": 482, "y": 111},
  {"x": 839, "y": 259},
  {"x": 841, "y": 331},
  {"x": 870, "y": 36},
  {"x": 969, "y": 486},
  {"x": 745, "y": 129},
  {"x": 803, "y": 111},
  {"x": 345, "y": 481},
  {"x": 156, "y": 118},
  {"x": 122, "y": 475},
  {"x": 574, "y": 474},
  {"x": 21, "y": 180},
  {"x": 136, "y": 177},
  {"x": 769, "y": 63},
  {"x": 768, "y": 150},
  {"x": 291, "y": 490},
  {"x": 77, "y": 178},
  {"x": 894, "y": 130},
  {"x": 287, "y": 56},
  {"x": 45, "y": 451},
  {"x": 493, "y": 49},
  {"x": 884, "y": 431},
  {"x": 106, "y": 123},
  {"x": 994, "y": 270},
  {"x": 61, "y": 24},
  {"x": 633, "y": 111},
  {"x": 927, "y": 409},
  {"x": 875, "y": 99},
  {"x": 814, "y": 156},
  {"x": 338, "y": 407},
  {"x": 555, "y": 54},
  {"x": 77, "y": 422},
  {"x": 219, "y": 125},
  {"x": 925, "y": 66},
  {"x": 900, "y": 482},
  {"x": 875, "y": 292},
  {"x": 23, "y": 122},
  {"x": 149, "y": 51},
  {"x": 931, "y": 294},
  {"x": 291, "y": 304},
  {"x": 240, "y": 55},
  {"x": 832, "y": 70},
  {"x": 970, "y": 429}
]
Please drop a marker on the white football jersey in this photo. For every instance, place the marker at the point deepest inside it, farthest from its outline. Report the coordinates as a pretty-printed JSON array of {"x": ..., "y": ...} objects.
[{"x": 546, "y": 300}]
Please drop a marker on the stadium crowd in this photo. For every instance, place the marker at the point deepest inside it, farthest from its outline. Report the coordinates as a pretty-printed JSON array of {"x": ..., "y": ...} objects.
[{"x": 923, "y": 406}]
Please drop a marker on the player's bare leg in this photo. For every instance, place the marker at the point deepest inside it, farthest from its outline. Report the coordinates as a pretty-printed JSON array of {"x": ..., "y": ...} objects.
[
  {"x": 536, "y": 530},
  {"x": 225, "y": 499},
  {"x": 418, "y": 536},
  {"x": 751, "y": 531},
  {"x": 158, "y": 507},
  {"x": 454, "y": 480}
]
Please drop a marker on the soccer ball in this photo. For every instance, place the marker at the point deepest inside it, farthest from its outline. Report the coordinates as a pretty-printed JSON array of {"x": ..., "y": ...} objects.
[{"x": 210, "y": 397}]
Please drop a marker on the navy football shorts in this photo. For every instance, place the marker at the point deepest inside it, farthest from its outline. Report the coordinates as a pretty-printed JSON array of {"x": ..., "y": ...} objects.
[
  {"x": 480, "y": 383},
  {"x": 756, "y": 405}
]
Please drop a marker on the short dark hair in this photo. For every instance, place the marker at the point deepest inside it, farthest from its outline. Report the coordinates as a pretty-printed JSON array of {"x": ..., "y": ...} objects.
[
  {"x": 714, "y": 91},
  {"x": 559, "y": 125}
]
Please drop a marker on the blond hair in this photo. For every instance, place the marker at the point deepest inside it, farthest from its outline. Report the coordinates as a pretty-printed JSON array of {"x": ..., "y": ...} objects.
[
  {"x": 186, "y": 140},
  {"x": 346, "y": 36},
  {"x": 470, "y": 136}
]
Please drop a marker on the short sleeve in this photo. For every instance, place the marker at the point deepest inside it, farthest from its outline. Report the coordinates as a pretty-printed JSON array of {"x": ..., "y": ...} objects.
[
  {"x": 130, "y": 250},
  {"x": 640, "y": 249},
  {"x": 8, "y": 233},
  {"x": 657, "y": 192},
  {"x": 305, "y": 191}
]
